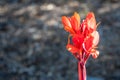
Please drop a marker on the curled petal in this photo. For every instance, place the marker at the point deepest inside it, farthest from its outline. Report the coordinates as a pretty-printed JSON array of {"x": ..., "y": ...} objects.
[
  {"x": 72, "y": 48},
  {"x": 95, "y": 54}
]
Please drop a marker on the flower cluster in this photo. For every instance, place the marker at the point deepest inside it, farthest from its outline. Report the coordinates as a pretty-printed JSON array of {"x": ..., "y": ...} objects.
[{"x": 83, "y": 37}]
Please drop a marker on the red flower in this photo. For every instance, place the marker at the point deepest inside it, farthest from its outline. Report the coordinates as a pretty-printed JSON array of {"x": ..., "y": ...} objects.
[{"x": 84, "y": 35}]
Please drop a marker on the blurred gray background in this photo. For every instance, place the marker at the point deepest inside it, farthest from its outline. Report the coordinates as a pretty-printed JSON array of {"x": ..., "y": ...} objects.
[{"x": 32, "y": 40}]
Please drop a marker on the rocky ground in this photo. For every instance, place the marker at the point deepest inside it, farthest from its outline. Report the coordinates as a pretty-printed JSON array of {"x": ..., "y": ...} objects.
[{"x": 32, "y": 40}]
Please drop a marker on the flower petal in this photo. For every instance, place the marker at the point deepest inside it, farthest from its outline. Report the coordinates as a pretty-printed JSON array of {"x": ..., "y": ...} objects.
[
  {"x": 77, "y": 17},
  {"x": 75, "y": 22},
  {"x": 66, "y": 21},
  {"x": 67, "y": 25},
  {"x": 91, "y": 22},
  {"x": 68, "y": 29},
  {"x": 83, "y": 26},
  {"x": 88, "y": 43},
  {"x": 78, "y": 40},
  {"x": 95, "y": 41},
  {"x": 72, "y": 48}
]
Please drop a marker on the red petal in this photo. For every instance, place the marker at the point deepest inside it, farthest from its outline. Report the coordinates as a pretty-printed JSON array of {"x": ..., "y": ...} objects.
[
  {"x": 75, "y": 22},
  {"x": 83, "y": 26},
  {"x": 66, "y": 21},
  {"x": 91, "y": 22},
  {"x": 85, "y": 29},
  {"x": 67, "y": 25},
  {"x": 78, "y": 40},
  {"x": 88, "y": 43},
  {"x": 72, "y": 48},
  {"x": 68, "y": 29},
  {"x": 77, "y": 17}
]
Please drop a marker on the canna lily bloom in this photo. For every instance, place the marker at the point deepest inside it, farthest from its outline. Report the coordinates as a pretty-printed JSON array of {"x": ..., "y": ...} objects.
[
  {"x": 84, "y": 35},
  {"x": 83, "y": 41}
]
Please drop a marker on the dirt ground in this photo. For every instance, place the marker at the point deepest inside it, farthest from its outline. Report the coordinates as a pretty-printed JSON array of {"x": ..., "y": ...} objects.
[{"x": 32, "y": 40}]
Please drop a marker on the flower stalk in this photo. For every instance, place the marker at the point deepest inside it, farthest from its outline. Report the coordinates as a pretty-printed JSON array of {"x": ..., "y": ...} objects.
[{"x": 81, "y": 71}]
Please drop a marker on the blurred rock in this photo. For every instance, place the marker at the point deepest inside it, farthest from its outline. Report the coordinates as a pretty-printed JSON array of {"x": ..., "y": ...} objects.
[{"x": 94, "y": 78}]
